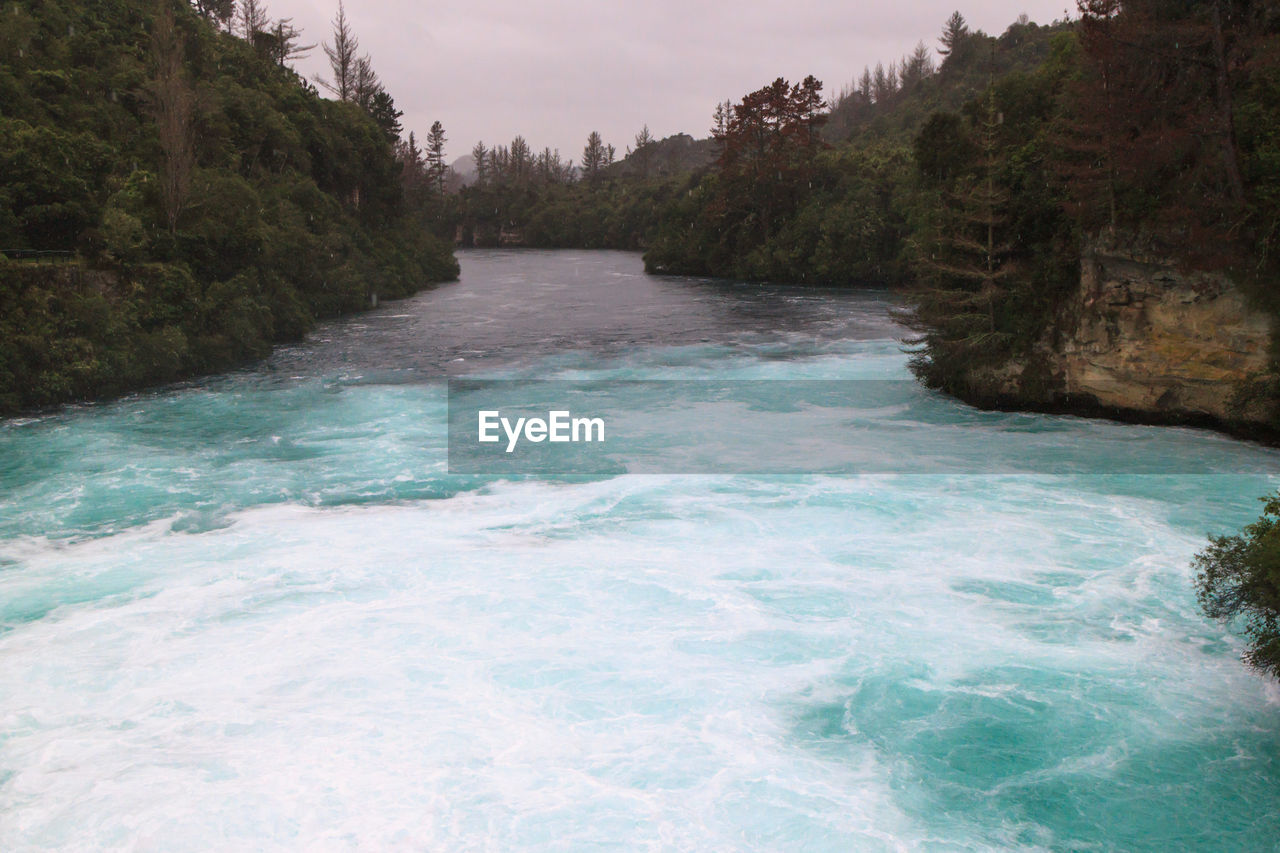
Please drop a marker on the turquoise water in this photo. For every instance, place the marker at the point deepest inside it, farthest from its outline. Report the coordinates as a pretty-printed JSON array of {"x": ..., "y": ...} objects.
[{"x": 258, "y": 612}]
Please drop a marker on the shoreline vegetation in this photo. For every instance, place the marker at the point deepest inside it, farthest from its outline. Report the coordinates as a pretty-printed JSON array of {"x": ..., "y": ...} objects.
[
  {"x": 213, "y": 202},
  {"x": 218, "y": 204}
]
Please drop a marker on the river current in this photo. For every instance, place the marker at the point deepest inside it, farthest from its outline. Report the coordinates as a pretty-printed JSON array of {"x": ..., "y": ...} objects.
[{"x": 258, "y": 611}]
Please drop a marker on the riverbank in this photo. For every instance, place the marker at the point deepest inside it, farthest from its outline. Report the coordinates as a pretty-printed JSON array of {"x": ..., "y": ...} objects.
[
  {"x": 1143, "y": 338},
  {"x": 70, "y": 332}
]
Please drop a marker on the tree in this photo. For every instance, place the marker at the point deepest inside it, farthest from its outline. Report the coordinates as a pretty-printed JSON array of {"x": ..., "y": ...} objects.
[
  {"x": 943, "y": 149},
  {"x": 382, "y": 109},
  {"x": 218, "y": 12},
  {"x": 1238, "y": 578},
  {"x": 953, "y": 33},
  {"x": 917, "y": 66},
  {"x": 412, "y": 168},
  {"x": 481, "y": 155},
  {"x": 366, "y": 84},
  {"x": 768, "y": 150},
  {"x": 284, "y": 42},
  {"x": 172, "y": 102},
  {"x": 343, "y": 58},
  {"x": 1158, "y": 86},
  {"x": 720, "y": 125},
  {"x": 252, "y": 20},
  {"x": 437, "y": 168},
  {"x": 720, "y": 118},
  {"x": 644, "y": 151},
  {"x": 499, "y": 160},
  {"x": 521, "y": 160},
  {"x": 880, "y": 90},
  {"x": 593, "y": 157}
]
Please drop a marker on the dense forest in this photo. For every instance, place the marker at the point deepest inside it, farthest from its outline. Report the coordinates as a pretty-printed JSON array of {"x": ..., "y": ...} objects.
[
  {"x": 977, "y": 182},
  {"x": 174, "y": 198},
  {"x": 1153, "y": 122}
]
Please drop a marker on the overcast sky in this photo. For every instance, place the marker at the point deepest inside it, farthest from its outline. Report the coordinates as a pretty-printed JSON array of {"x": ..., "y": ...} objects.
[{"x": 554, "y": 70}]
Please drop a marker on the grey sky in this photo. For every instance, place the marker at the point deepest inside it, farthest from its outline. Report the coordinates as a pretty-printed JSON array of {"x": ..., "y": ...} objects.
[{"x": 557, "y": 69}]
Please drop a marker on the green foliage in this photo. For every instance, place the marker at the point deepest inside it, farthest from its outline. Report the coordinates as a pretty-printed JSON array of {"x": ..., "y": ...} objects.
[
  {"x": 610, "y": 213},
  {"x": 863, "y": 212},
  {"x": 988, "y": 184},
  {"x": 898, "y": 116},
  {"x": 846, "y": 227},
  {"x": 295, "y": 207},
  {"x": 1238, "y": 579}
]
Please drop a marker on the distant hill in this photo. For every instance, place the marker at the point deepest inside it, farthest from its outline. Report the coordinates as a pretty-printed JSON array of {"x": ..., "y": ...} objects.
[
  {"x": 675, "y": 155},
  {"x": 465, "y": 168}
]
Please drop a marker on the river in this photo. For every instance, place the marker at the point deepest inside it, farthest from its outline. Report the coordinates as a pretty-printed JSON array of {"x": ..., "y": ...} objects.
[{"x": 258, "y": 611}]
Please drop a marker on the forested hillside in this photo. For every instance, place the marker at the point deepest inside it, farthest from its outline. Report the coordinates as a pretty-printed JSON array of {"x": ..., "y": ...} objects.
[
  {"x": 207, "y": 200},
  {"x": 1157, "y": 123},
  {"x": 979, "y": 182},
  {"x": 850, "y": 205},
  {"x": 516, "y": 196}
]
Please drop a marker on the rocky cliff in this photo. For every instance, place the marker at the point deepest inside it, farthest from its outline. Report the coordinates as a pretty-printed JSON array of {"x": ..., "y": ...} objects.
[{"x": 1143, "y": 338}]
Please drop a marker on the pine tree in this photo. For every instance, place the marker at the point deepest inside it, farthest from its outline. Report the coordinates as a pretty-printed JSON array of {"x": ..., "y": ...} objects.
[
  {"x": 967, "y": 266},
  {"x": 953, "y": 33},
  {"x": 284, "y": 38},
  {"x": 252, "y": 20},
  {"x": 382, "y": 109},
  {"x": 880, "y": 85},
  {"x": 343, "y": 58},
  {"x": 521, "y": 160},
  {"x": 365, "y": 83},
  {"x": 437, "y": 168},
  {"x": 593, "y": 157},
  {"x": 218, "y": 12},
  {"x": 413, "y": 169},
  {"x": 481, "y": 155},
  {"x": 644, "y": 152},
  {"x": 916, "y": 67}
]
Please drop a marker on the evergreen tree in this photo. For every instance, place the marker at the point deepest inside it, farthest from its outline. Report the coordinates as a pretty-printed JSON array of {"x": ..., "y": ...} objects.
[
  {"x": 953, "y": 33},
  {"x": 343, "y": 58},
  {"x": 481, "y": 155},
  {"x": 966, "y": 268},
  {"x": 880, "y": 85},
  {"x": 593, "y": 157},
  {"x": 521, "y": 164},
  {"x": 412, "y": 167},
  {"x": 284, "y": 38},
  {"x": 382, "y": 109},
  {"x": 644, "y": 152},
  {"x": 217, "y": 12},
  {"x": 437, "y": 168},
  {"x": 366, "y": 85},
  {"x": 252, "y": 20},
  {"x": 916, "y": 67}
]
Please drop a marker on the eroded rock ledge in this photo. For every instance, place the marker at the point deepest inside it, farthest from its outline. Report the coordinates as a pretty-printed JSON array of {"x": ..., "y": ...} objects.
[{"x": 1143, "y": 338}]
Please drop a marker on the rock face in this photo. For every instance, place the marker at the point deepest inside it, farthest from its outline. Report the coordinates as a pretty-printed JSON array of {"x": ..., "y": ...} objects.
[{"x": 1144, "y": 339}]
